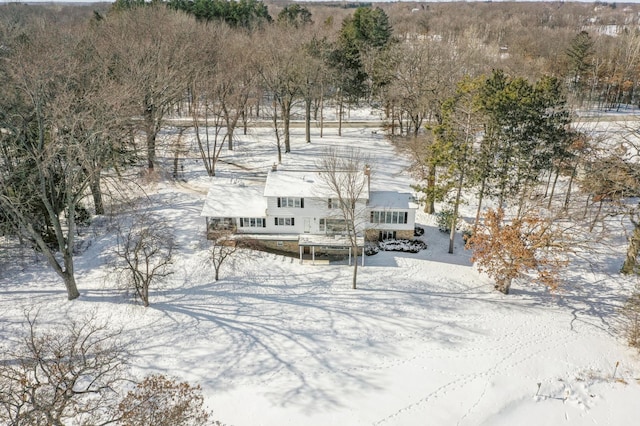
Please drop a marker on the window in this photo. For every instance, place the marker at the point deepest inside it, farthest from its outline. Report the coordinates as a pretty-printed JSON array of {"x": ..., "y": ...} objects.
[
  {"x": 388, "y": 217},
  {"x": 284, "y": 221},
  {"x": 252, "y": 222},
  {"x": 332, "y": 204},
  {"x": 219, "y": 223},
  {"x": 335, "y": 226},
  {"x": 332, "y": 226},
  {"x": 291, "y": 202},
  {"x": 387, "y": 235}
]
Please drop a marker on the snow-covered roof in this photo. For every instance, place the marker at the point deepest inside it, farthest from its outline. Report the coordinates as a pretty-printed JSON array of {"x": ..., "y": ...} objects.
[
  {"x": 392, "y": 200},
  {"x": 233, "y": 198},
  {"x": 301, "y": 183},
  {"x": 328, "y": 240}
]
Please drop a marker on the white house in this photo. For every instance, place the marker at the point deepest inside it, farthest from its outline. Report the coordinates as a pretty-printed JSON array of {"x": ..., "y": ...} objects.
[{"x": 295, "y": 211}]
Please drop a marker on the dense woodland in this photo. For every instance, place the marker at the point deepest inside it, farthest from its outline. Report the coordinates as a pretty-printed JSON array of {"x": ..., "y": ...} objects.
[{"x": 480, "y": 95}]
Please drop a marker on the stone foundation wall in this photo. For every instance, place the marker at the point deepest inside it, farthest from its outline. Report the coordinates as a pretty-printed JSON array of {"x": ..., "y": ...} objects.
[
  {"x": 286, "y": 246},
  {"x": 404, "y": 235},
  {"x": 371, "y": 235}
]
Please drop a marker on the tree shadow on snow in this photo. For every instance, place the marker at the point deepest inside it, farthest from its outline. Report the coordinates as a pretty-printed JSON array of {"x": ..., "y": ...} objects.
[{"x": 308, "y": 344}]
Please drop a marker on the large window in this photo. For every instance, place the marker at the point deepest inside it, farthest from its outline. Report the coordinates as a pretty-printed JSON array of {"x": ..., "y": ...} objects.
[
  {"x": 219, "y": 223},
  {"x": 387, "y": 235},
  {"x": 284, "y": 221},
  {"x": 388, "y": 217},
  {"x": 252, "y": 222},
  {"x": 290, "y": 202},
  {"x": 335, "y": 226}
]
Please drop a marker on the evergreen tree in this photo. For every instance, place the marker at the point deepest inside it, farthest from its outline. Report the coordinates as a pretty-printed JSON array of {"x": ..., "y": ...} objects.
[
  {"x": 295, "y": 15},
  {"x": 455, "y": 139},
  {"x": 242, "y": 13},
  {"x": 579, "y": 54},
  {"x": 363, "y": 35}
]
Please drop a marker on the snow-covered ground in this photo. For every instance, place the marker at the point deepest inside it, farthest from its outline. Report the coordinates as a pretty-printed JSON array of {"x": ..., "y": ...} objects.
[{"x": 425, "y": 340}]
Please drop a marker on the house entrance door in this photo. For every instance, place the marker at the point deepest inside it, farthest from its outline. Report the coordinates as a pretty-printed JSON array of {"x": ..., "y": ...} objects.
[{"x": 307, "y": 225}]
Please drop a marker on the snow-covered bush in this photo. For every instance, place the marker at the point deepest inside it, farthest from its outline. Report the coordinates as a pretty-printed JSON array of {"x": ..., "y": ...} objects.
[
  {"x": 412, "y": 246},
  {"x": 371, "y": 249}
]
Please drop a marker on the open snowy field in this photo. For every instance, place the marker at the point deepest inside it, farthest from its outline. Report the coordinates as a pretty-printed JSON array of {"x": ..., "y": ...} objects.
[{"x": 425, "y": 340}]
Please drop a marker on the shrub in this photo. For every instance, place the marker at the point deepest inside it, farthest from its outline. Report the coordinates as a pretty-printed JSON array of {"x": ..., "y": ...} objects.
[
  {"x": 371, "y": 249},
  {"x": 443, "y": 220},
  {"x": 631, "y": 314},
  {"x": 411, "y": 246}
]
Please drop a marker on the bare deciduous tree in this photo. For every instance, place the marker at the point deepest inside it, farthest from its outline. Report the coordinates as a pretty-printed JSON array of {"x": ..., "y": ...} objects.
[
  {"x": 224, "y": 248},
  {"x": 54, "y": 126},
  {"x": 53, "y": 378},
  {"x": 151, "y": 54},
  {"x": 78, "y": 375},
  {"x": 345, "y": 173},
  {"x": 162, "y": 401},
  {"x": 145, "y": 249}
]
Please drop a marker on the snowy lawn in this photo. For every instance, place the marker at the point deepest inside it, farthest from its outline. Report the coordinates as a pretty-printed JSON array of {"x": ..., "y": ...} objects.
[{"x": 425, "y": 340}]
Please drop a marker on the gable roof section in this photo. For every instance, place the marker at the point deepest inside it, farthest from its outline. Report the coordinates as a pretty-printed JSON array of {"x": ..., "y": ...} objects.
[
  {"x": 301, "y": 183},
  {"x": 391, "y": 200},
  {"x": 234, "y": 199}
]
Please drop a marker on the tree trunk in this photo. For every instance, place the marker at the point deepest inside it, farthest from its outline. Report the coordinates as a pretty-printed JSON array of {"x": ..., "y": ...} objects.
[
  {"x": 479, "y": 209},
  {"x": 595, "y": 219},
  {"x": 286, "y": 117},
  {"x": 307, "y": 120},
  {"x": 275, "y": 126},
  {"x": 503, "y": 286},
  {"x": 96, "y": 193},
  {"x": 151, "y": 149},
  {"x": 66, "y": 272},
  {"x": 355, "y": 268},
  {"x": 230, "y": 138},
  {"x": 151, "y": 131},
  {"x": 454, "y": 219},
  {"x": 553, "y": 188},
  {"x": 176, "y": 155},
  {"x": 630, "y": 262},
  {"x": 393, "y": 120},
  {"x": 70, "y": 284},
  {"x": 430, "y": 205},
  {"x": 244, "y": 120},
  {"x": 340, "y": 115},
  {"x": 568, "y": 195},
  {"x": 145, "y": 295},
  {"x": 67, "y": 253},
  {"x": 322, "y": 114}
]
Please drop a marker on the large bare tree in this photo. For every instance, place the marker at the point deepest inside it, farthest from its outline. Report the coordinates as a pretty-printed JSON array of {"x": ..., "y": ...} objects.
[
  {"x": 346, "y": 175},
  {"x": 56, "y": 377},
  {"x": 151, "y": 52},
  {"x": 56, "y": 121},
  {"x": 281, "y": 70},
  {"x": 145, "y": 248}
]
